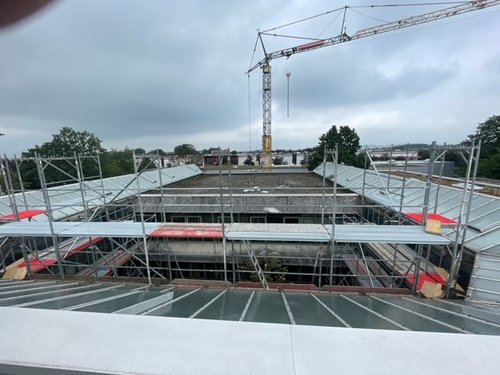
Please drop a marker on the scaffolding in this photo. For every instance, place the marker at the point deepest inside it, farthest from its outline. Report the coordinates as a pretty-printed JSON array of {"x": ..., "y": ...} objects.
[
  {"x": 79, "y": 198},
  {"x": 393, "y": 201},
  {"x": 190, "y": 249}
]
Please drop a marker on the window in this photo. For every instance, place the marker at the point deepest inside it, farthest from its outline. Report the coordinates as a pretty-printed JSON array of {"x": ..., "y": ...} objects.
[
  {"x": 257, "y": 219},
  {"x": 227, "y": 218}
]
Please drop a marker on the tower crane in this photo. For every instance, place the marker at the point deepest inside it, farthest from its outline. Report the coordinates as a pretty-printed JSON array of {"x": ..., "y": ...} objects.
[{"x": 343, "y": 37}]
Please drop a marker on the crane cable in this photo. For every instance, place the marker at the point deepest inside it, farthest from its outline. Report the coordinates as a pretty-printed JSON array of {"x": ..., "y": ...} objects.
[
  {"x": 249, "y": 117},
  {"x": 411, "y": 4},
  {"x": 364, "y": 6},
  {"x": 287, "y": 74},
  {"x": 329, "y": 25},
  {"x": 253, "y": 53}
]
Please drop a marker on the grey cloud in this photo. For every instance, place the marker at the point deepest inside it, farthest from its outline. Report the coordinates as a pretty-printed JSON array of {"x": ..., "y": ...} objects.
[
  {"x": 123, "y": 69},
  {"x": 356, "y": 83}
]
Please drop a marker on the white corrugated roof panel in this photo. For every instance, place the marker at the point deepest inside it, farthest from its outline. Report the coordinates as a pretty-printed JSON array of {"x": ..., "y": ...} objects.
[
  {"x": 404, "y": 234},
  {"x": 119, "y": 229},
  {"x": 66, "y": 200},
  {"x": 278, "y": 232},
  {"x": 484, "y": 213}
]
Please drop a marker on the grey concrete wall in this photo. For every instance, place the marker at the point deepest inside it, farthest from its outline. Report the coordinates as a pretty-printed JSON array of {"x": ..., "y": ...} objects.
[
  {"x": 264, "y": 203},
  {"x": 277, "y": 249}
]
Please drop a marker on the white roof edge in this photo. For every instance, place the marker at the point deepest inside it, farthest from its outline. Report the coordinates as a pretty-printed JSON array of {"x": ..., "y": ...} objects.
[{"x": 61, "y": 344}]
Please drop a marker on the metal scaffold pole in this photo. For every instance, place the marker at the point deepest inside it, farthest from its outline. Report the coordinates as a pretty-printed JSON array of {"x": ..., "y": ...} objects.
[
  {"x": 463, "y": 219},
  {"x": 365, "y": 167},
  {"x": 43, "y": 185},
  {"x": 334, "y": 209},
  {"x": 9, "y": 188},
  {"x": 324, "y": 186},
  {"x": 428, "y": 184},
  {"x": 160, "y": 167},
  {"x": 80, "y": 178},
  {"x": 103, "y": 191},
  {"x": 141, "y": 212},
  {"x": 403, "y": 185},
  {"x": 441, "y": 156},
  {"x": 222, "y": 216}
]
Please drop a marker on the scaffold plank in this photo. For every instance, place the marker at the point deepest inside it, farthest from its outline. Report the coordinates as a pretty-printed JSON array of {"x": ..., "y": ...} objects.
[
  {"x": 408, "y": 234},
  {"x": 404, "y": 234},
  {"x": 418, "y": 217},
  {"x": 27, "y": 214},
  {"x": 118, "y": 229},
  {"x": 202, "y": 231},
  {"x": 278, "y": 232}
]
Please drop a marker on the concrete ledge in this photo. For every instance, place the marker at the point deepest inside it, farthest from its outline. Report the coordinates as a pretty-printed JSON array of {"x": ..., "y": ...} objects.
[{"x": 39, "y": 341}]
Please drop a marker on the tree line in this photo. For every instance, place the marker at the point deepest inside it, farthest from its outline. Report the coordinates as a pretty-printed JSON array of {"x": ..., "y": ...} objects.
[
  {"x": 69, "y": 143},
  {"x": 487, "y": 132},
  {"x": 72, "y": 152}
]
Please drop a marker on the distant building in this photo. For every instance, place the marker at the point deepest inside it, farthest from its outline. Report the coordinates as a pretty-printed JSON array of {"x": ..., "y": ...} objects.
[
  {"x": 290, "y": 158},
  {"x": 384, "y": 155},
  {"x": 213, "y": 158}
]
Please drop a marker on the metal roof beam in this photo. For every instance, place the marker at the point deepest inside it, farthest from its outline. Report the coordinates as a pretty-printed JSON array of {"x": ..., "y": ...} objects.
[
  {"x": 141, "y": 307},
  {"x": 375, "y": 313},
  {"x": 421, "y": 315},
  {"x": 60, "y": 298}
]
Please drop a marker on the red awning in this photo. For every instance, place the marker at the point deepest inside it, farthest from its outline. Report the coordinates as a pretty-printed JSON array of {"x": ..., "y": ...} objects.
[
  {"x": 28, "y": 214},
  {"x": 37, "y": 265},
  {"x": 432, "y": 278},
  {"x": 83, "y": 246},
  {"x": 444, "y": 220},
  {"x": 188, "y": 231}
]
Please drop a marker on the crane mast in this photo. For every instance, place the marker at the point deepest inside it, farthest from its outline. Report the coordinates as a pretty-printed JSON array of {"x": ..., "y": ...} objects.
[
  {"x": 265, "y": 63},
  {"x": 266, "y": 158}
]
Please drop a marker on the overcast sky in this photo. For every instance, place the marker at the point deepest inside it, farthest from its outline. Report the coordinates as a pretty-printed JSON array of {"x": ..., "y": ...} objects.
[{"x": 155, "y": 74}]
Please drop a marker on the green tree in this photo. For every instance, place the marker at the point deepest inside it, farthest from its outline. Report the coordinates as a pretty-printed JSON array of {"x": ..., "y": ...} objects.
[
  {"x": 158, "y": 151},
  {"x": 488, "y": 132},
  {"x": 188, "y": 153},
  {"x": 66, "y": 144},
  {"x": 185, "y": 150},
  {"x": 117, "y": 162},
  {"x": 279, "y": 161},
  {"x": 249, "y": 160},
  {"x": 344, "y": 137},
  {"x": 120, "y": 162},
  {"x": 489, "y": 167},
  {"x": 208, "y": 151},
  {"x": 274, "y": 268},
  {"x": 9, "y": 171},
  {"x": 278, "y": 269},
  {"x": 423, "y": 154}
]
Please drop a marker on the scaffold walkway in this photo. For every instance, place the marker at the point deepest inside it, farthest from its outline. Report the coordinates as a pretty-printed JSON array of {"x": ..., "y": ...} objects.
[{"x": 407, "y": 234}]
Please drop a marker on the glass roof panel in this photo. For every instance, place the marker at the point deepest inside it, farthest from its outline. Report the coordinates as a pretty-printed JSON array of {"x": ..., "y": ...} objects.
[
  {"x": 308, "y": 311},
  {"x": 228, "y": 307},
  {"x": 267, "y": 307}
]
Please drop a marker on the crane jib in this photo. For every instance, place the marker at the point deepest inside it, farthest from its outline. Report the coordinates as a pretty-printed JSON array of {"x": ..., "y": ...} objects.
[
  {"x": 465, "y": 7},
  {"x": 311, "y": 45},
  {"x": 379, "y": 29}
]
